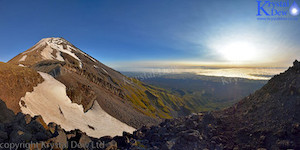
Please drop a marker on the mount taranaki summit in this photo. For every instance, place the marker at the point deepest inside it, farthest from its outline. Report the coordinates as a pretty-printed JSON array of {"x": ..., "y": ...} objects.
[{"x": 64, "y": 85}]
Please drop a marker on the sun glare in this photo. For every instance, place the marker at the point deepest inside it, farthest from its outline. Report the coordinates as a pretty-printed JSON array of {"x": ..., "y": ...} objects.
[
  {"x": 294, "y": 10},
  {"x": 238, "y": 52}
]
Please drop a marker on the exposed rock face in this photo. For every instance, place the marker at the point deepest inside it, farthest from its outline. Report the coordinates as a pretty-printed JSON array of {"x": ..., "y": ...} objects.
[
  {"x": 6, "y": 115},
  {"x": 267, "y": 119},
  {"x": 88, "y": 80},
  {"x": 270, "y": 116},
  {"x": 49, "y": 99},
  {"x": 22, "y": 128},
  {"x": 58, "y": 57},
  {"x": 15, "y": 82}
]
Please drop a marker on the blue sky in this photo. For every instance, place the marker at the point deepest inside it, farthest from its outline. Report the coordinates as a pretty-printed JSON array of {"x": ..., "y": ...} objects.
[{"x": 120, "y": 33}]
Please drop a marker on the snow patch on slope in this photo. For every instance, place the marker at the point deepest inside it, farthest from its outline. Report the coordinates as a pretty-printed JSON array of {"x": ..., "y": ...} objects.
[
  {"x": 21, "y": 65},
  {"x": 59, "y": 57},
  {"x": 61, "y": 46},
  {"x": 78, "y": 50},
  {"x": 23, "y": 58},
  {"x": 49, "y": 99},
  {"x": 55, "y": 44},
  {"x": 104, "y": 70},
  {"x": 47, "y": 53}
]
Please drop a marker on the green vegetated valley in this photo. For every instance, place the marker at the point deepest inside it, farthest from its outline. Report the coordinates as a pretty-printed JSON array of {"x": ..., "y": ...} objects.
[
  {"x": 154, "y": 101},
  {"x": 188, "y": 93}
]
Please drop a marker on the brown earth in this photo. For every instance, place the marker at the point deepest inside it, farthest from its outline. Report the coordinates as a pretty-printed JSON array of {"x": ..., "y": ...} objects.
[{"x": 15, "y": 82}]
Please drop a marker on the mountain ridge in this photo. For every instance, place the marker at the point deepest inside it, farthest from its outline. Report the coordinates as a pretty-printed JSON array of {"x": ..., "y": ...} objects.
[
  {"x": 88, "y": 81},
  {"x": 113, "y": 81}
]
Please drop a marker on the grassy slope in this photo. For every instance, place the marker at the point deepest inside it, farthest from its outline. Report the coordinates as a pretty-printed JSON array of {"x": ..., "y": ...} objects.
[{"x": 153, "y": 101}]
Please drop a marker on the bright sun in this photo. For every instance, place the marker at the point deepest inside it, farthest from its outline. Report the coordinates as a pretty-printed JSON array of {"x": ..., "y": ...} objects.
[{"x": 239, "y": 52}]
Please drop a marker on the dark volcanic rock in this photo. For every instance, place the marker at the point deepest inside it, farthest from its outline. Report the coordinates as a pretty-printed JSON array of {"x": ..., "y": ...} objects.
[
  {"x": 6, "y": 114},
  {"x": 267, "y": 119}
]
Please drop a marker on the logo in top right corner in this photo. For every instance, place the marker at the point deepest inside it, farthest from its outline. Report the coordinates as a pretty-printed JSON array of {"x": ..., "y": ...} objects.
[
  {"x": 275, "y": 10},
  {"x": 294, "y": 9}
]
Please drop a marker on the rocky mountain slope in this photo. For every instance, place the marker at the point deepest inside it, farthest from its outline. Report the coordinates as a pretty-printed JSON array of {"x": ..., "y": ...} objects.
[
  {"x": 81, "y": 85},
  {"x": 15, "y": 82},
  {"x": 266, "y": 119},
  {"x": 6, "y": 114},
  {"x": 36, "y": 93},
  {"x": 20, "y": 129},
  {"x": 87, "y": 80}
]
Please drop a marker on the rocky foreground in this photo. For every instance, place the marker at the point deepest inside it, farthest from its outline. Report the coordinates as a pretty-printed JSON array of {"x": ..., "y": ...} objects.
[{"x": 24, "y": 132}]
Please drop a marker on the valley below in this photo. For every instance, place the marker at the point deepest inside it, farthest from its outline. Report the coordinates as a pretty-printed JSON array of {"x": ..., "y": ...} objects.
[{"x": 202, "y": 93}]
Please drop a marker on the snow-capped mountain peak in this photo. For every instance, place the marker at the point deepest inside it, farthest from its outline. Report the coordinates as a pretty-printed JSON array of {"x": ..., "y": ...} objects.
[
  {"x": 89, "y": 82},
  {"x": 53, "y": 48}
]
